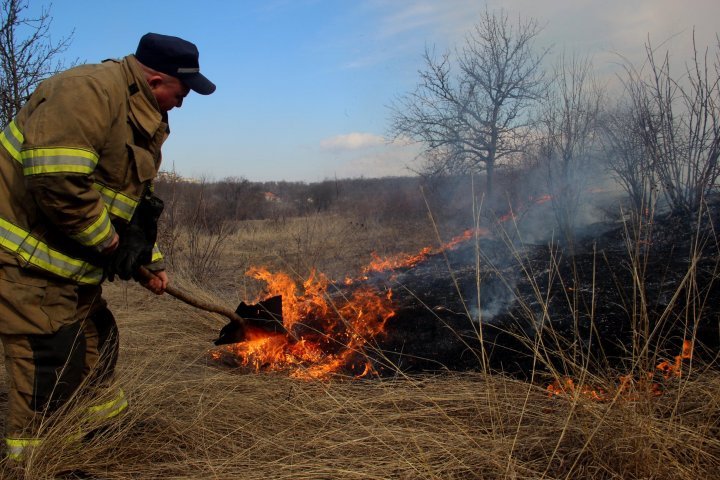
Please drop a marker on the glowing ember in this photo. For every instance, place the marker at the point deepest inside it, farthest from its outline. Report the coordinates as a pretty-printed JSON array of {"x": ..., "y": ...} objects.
[
  {"x": 567, "y": 386},
  {"x": 629, "y": 388},
  {"x": 542, "y": 199},
  {"x": 507, "y": 217},
  {"x": 532, "y": 201},
  {"x": 670, "y": 370}
]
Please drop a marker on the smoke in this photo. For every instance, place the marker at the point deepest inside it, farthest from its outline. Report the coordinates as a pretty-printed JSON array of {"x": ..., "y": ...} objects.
[
  {"x": 496, "y": 296},
  {"x": 527, "y": 217}
]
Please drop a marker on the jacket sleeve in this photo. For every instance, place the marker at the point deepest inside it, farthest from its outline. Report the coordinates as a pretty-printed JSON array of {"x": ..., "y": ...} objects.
[
  {"x": 63, "y": 136},
  {"x": 158, "y": 261}
]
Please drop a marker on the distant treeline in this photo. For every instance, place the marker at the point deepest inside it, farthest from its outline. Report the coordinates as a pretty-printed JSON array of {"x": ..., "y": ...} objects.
[{"x": 381, "y": 199}]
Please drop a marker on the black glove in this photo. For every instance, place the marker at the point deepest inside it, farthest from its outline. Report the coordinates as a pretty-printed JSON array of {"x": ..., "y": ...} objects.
[
  {"x": 132, "y": 252},
  {"x": 146, "y": 216},
  {"x": 137, "y": 240}
]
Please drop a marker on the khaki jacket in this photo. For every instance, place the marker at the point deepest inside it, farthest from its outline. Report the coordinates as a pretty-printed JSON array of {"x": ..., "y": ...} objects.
[{"x": 75, "y": 161}]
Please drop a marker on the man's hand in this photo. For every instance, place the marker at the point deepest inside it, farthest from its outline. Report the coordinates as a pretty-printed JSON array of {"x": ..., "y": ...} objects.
[{"x": 158, "y": 283}]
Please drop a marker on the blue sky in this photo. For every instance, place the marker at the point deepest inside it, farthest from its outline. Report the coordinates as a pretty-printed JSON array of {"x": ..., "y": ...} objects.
[{"x": 303, "y": 85}]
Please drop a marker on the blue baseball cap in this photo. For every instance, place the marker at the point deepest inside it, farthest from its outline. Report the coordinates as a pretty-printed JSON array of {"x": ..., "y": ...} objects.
[{"x": 176, "y": 57}]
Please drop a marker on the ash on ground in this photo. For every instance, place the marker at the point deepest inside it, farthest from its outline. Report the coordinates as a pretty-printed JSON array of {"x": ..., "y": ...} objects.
[{"x": 611, "y": 298}]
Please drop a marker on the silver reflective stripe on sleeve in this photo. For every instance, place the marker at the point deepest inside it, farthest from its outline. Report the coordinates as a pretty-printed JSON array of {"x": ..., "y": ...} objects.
[
  {"x": 41, "y": 255},
  {"x": 96, "y": 232},
  {"x": 117, "y": 203},
  {"x": 12, "y": 139},
  {"x": 58, "y": 160},
  {"x": 156, "y": 254}
]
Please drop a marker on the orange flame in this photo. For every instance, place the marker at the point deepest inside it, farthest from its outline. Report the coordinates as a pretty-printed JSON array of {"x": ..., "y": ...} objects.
[
  {"x": 566, "y": 386},
  {"x": 327, "y": 335},
  {"x": 404, "y": 260},
  {"x": 542, "y": 199},
  {"x": 629, "y": 388},
  {"x": 670, "y": 370},
  {"x": 515, "y": 212}
]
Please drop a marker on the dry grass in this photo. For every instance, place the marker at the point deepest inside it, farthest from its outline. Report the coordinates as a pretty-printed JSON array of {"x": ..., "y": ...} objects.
[{"x": 191, "y": 420}]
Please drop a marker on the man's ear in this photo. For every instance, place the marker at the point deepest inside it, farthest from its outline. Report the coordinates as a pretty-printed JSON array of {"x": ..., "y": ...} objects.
[{"x": 155, "y": 81}]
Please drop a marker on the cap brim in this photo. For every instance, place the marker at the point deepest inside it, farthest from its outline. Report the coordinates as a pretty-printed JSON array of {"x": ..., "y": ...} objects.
[{"x": 198, "y": 83}]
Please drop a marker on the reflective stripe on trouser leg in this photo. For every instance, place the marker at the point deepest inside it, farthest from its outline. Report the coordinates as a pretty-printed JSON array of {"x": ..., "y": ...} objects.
[
  {"x": 101, "y": 334},
  {"x": 17, "y": 447},
  {"x": 24, "y": 391},
  {"x": 98, "y": 414}
]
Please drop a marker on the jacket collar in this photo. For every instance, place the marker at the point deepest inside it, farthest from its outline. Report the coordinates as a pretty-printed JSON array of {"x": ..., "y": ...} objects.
[{"x": 144, "y": 109}]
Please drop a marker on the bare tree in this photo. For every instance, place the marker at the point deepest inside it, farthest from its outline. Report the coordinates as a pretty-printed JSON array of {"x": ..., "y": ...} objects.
[
  {"x": 27, "y": 54},
  {"x": 470, "y": 120},
  {"x": 679, "y": 122},
  {"x": 569, "y": 136},
  {"x": 626, "y": 157}
]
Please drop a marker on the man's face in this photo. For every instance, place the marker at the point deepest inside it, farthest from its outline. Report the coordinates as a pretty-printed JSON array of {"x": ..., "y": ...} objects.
[{"x": 168, "y": 91}]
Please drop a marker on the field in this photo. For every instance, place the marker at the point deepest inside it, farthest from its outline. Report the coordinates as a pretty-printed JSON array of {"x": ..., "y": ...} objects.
[{"x": 191, "y": 419}]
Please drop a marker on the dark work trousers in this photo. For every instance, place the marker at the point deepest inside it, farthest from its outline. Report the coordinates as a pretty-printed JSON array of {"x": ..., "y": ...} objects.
[{"x": 58, "y": 337}]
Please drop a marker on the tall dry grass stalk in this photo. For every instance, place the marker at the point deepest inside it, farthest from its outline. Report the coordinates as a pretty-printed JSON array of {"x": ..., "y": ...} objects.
[{"x": 189, "y": 419}]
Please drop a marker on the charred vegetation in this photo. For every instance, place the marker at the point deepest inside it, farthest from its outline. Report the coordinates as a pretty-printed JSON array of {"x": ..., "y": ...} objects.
[{"x": 601, "y": 300}]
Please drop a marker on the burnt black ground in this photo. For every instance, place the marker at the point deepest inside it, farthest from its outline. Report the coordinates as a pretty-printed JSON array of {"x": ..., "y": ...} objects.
[{"x": 574, "y": 302}]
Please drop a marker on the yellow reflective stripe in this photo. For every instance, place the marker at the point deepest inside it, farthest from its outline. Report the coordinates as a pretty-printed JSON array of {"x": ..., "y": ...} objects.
[
  {"x": 96, "y": 232},
  {"x": 109, "y": 409},
  {"x": 41, "y": 255},
  {"x": 75, "y": 437},
  {"x": 156, "y": 254},
  {"x": 117, "y": 203},
  {"x": 16, "y": 446},
  {"x": 51, "y": 160},
  {"x": 12, "y": 139},
  {"x": 58, "y": 160}
]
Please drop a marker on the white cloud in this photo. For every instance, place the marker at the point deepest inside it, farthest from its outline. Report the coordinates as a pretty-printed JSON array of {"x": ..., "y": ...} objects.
[
  {"x": 352, "y": 141},
  {"x": 391, "y": 160},
  {"x": 347, "y": 156}
]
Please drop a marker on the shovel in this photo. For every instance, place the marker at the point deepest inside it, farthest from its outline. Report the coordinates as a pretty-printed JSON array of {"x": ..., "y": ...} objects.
[{"x": 266, "y": 315}]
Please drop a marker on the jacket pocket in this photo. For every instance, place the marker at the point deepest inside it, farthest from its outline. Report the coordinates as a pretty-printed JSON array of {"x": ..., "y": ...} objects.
[
  {"x": 33, "y": 305},
  {"x": 144, "y": 162}
]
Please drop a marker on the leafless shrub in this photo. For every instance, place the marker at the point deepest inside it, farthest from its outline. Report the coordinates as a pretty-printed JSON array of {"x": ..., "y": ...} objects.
[
  {"x": 627, "y": 158},
  {"x": 202, "y": 256},
  {"x": 678, "y": 119},
  {"x": 193, "y": 228},
  {"x": 568, "y": 147}
]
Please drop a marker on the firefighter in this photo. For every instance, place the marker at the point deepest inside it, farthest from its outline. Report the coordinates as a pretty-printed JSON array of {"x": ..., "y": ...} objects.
[{"x": 76, "y": 207}]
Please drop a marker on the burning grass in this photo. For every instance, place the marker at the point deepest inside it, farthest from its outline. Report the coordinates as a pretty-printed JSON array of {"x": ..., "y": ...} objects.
[{"x": 190, "y": 419}]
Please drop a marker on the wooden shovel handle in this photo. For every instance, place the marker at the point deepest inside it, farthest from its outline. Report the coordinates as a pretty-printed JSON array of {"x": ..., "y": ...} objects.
[{"x": 195, "y": 302}]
